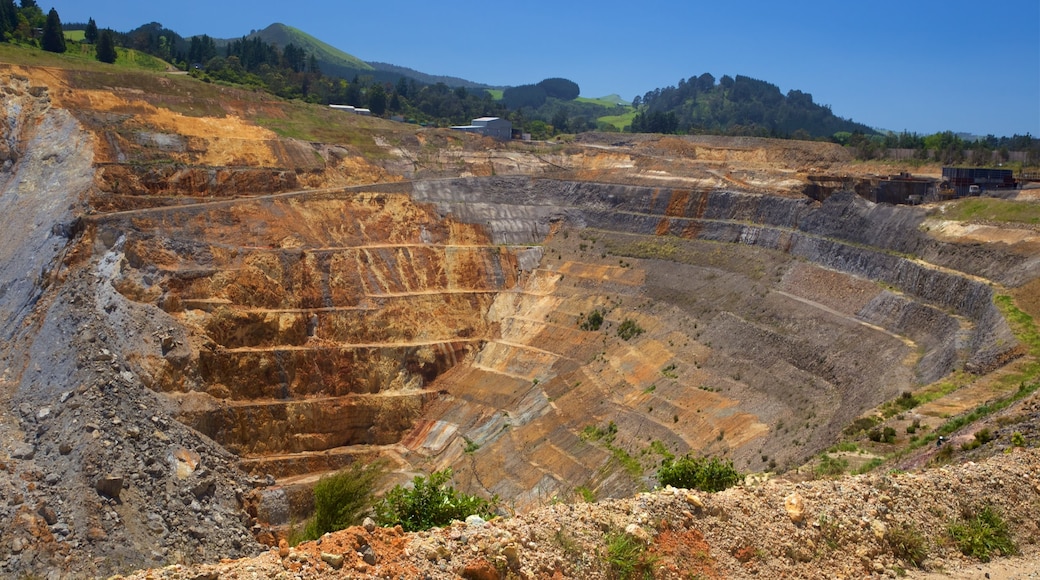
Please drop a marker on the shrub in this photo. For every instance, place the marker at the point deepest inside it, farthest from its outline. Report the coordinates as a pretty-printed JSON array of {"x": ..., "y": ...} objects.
[
  {"x": 593, "y": 321},
  {"x": 981, "y": 534},
  {"x": 699, "y": 473},
  {"x": 860, "y": 425},
  {"x": 832, "y": 466},
  {"x": 907, "y": 400},
  {"x": 596, "y": 433},
  {"x": 1017, "y": 439},
  {"x": 430, "y": 503},
  {"x": 907, "y": 543},
  {"x": 341, "y": 499},
  {"x": 629, "y": 329}
]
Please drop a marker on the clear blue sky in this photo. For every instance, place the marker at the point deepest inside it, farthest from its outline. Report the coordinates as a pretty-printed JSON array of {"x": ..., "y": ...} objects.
[{"x": 918, "y": 65}]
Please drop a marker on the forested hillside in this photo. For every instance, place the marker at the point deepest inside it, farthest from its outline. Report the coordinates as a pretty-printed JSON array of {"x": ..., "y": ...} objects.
[{"x": 736, "y": 106}]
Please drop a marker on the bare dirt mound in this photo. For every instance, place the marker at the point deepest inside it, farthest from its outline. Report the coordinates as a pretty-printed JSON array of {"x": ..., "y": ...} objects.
[{"x": 866, "y": 526}]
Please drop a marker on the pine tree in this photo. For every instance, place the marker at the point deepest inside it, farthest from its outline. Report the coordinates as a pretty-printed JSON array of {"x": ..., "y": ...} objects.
[
  {"x": 53, "y": 36},
  {"x": 106, "y": 47},
  {"x": 90, "y": 34},
  {"x": 8, "y": 19}
]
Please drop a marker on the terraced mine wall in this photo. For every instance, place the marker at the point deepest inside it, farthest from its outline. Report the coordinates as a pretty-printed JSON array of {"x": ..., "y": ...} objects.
[
  {"x": 921, "y": 305},
  {"x": 845, "y": 233},
  {"x": 442, "y": 324},
  {"x": 439, "y": 323}
]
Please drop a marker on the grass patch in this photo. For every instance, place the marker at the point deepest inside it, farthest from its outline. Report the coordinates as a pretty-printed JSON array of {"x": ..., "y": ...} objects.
[
  {"x": 586, "y": 494},
  {"x": 608, "y": 102},
  {"x": 831, "y": 466},
  {"x": 628, "y": 558},
  {"x": 79, "y": 56},
  {"x": 606, "y": 435},
  {"x": 1022, "y": 324},
  {"x": 992, "y": 209},
  {"x": 907, "y": 543},
  {"x": 982, "y": 534},
  {"x": 656, "y": 446},
  {"x": 618, "y": 121}
]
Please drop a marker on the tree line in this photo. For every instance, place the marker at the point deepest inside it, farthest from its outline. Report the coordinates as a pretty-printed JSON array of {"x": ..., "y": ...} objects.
[
  {"x": 945, "y": 147},
  {"x": 27, "y": 24},
  {"x": 737, "y": 105}
]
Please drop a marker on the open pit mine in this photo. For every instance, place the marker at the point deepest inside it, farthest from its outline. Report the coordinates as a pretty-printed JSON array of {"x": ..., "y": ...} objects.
[{"x": 200, "y": 318}]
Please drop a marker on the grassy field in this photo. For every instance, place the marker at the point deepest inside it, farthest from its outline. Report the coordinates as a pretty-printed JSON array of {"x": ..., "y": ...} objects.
[
  {"x": 619, "y": 121},
  {"x": 74, "y": 35},
  {"x": 996, "y": 210},
  {"x": 79, "y": 56},
  {"x": 610, "y": 101},
  {"x": 496, "y": 94}
]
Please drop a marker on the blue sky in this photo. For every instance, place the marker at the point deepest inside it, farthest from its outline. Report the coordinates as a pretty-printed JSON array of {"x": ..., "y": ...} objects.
[{"x": 918, "y": 65}]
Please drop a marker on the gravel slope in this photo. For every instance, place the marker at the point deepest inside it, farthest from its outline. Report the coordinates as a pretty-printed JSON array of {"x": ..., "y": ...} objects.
[{"x": 840, "y": 528}]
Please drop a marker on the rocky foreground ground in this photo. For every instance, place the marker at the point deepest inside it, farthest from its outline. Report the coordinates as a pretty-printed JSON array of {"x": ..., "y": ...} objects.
[{"x": 853, "y": 527}]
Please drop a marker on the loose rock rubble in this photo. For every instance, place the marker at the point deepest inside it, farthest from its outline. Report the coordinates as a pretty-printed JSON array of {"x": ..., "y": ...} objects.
[{"x": 771, "y": 529}]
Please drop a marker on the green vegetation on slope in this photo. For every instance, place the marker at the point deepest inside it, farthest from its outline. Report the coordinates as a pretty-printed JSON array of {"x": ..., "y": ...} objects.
[
  {"x": 283, "y": 35},
  {"x": 430, "y": 502},
  {"x": 739, "y": 106},
  {"x": 607, "y": 101},
  {"x": 619, "y": 122},
  {"x": 341, "y": 499},
  {"x": 79, "y": 56},
  {"x": 991, "y": 209}
]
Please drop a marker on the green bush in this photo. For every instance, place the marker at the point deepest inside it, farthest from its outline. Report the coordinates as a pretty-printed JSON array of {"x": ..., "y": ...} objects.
[
  {"x": 907, "y": 401},
  {"x": 832, "y": 466},
  {"x": 1018, "y": 440},
  {"x": 341, "y": 499},
  {"x": 982, "y": 534},
  {"x": 699, "y": 473},
  {"x": 629, "y": 329},
  {"x": 430, "y": 503},
  {"x": 593, "y": 322}
]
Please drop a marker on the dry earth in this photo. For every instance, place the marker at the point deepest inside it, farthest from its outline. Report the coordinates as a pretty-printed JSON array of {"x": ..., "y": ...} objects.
[{"x": 842, "y": 528}]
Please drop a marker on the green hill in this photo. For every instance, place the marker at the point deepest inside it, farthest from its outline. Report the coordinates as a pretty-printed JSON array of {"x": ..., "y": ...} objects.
[
  {"x": 283, "y": 35},
  {"x": 607, "y": 101}
]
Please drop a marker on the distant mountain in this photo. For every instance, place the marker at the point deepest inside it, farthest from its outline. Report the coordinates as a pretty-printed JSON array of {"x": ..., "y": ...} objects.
[
  {"x": 335, "y": 62},
  {"x": 283, "y": 35}
]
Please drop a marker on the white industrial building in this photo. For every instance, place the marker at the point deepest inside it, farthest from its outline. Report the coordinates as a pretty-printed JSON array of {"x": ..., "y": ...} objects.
[{"x": 495, "y": 127}]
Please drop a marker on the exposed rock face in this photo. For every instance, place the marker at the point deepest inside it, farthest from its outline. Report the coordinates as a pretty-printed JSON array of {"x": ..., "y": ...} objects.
[
  {"x": 445, "y": 323},
  {"x": 82, "y": 446}
]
